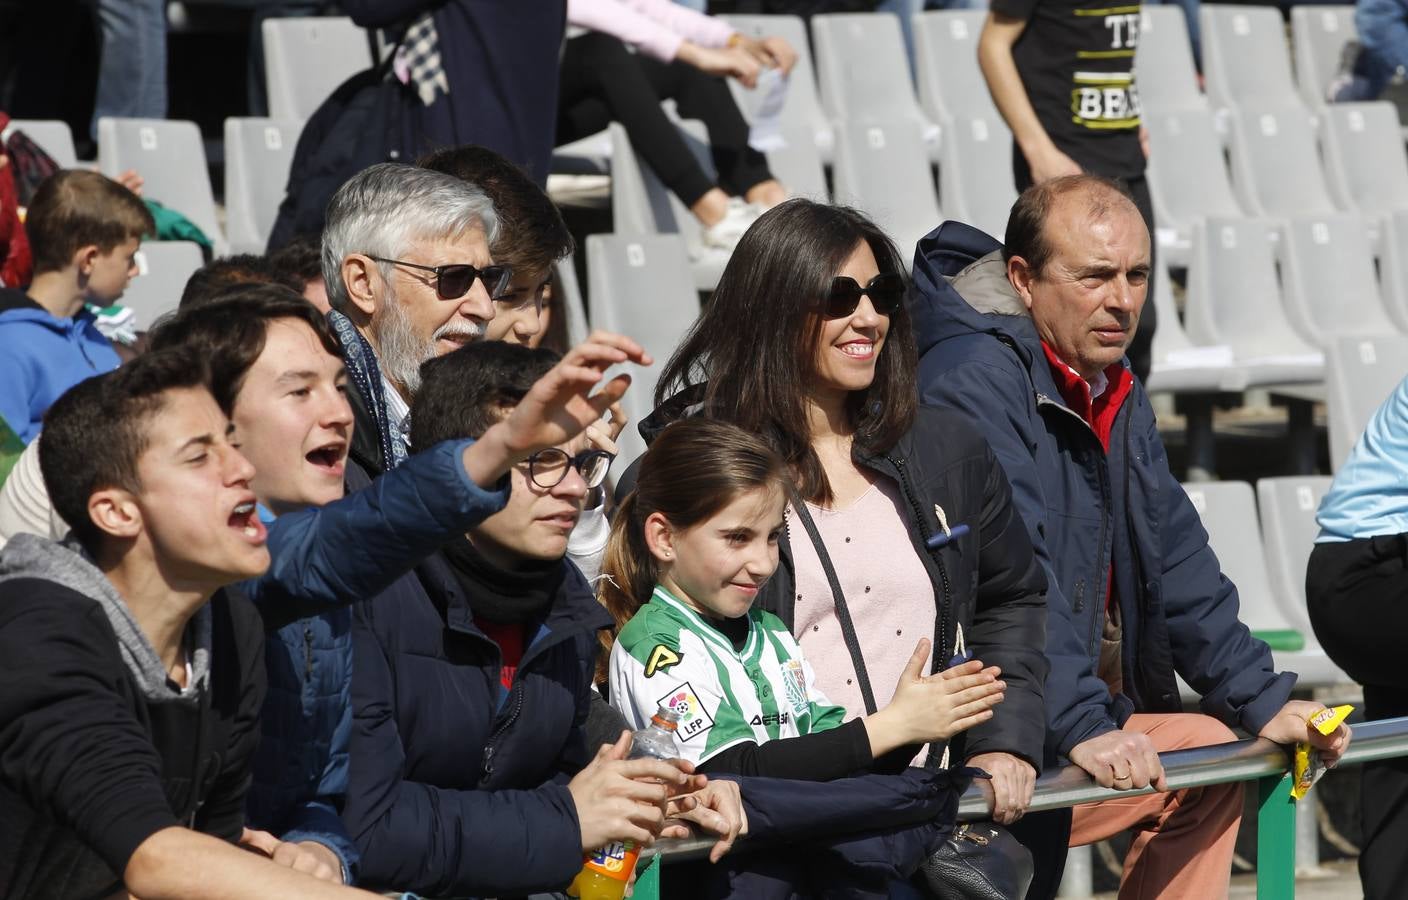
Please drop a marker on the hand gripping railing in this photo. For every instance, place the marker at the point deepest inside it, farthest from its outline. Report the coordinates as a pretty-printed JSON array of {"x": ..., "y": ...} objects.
[{"x": 1256, "y": 760}]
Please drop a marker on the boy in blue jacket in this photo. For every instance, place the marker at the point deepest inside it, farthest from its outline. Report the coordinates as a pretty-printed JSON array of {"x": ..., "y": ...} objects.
[{"x": 84, "y": 230}]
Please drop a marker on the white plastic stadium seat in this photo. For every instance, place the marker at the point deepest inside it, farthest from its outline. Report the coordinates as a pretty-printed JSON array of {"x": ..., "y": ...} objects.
[
  {"x": 1318, "y": 34},
  {"x": 883, "y": 169},
  {"x": 52, "y": 135},
  {"x": 163, "y": 268},
  {"x": 1180, "y": 366},
  {"x": 1234, "y": 300},
  {"x": 951, "y": 86},
  {"x": 1288, "y": 528},
  {"x": 1163, "y": 65},
  {"x": 1187, "y": 176},
  {"x": 1327, "y": 269},
  {"x": 1364, "y": 157},
  {"x": 640, "y": 285},
  {"x": 863, "y": 72},
  {"x": 1245, "y": 57},
  {"x": 1228, "y": 511},
  {"x": 1360, "y": 374},
  {"x": 975, "y": 174},
  {"x": 1275, "y": 163},
  {"x": 258, "y": 153},
  {"x": 170, "y": 157},
  {"x": 305, "y": 59}
]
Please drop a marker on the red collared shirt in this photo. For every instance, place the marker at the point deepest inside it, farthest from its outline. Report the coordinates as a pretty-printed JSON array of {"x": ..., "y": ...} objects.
[{"x": 1098, "y": 412}]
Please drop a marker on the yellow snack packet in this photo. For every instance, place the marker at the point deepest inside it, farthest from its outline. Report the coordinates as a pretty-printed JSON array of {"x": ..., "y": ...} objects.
[{"x": 1308, "y": 765}]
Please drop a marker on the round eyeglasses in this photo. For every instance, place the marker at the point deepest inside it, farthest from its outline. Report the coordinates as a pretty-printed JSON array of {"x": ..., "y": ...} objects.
[{"x": 547, "y": 468}]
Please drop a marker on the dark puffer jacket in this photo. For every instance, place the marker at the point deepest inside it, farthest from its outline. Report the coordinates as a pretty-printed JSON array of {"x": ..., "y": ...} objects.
[
  {"x": 457, "y": 786},
  {"x": 987, "y": 582},
  {"x": 1086, "y": 510}
]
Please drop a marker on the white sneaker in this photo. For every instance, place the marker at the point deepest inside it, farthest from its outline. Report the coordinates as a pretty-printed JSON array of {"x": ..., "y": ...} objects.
[{"x": 726, "y": 233}]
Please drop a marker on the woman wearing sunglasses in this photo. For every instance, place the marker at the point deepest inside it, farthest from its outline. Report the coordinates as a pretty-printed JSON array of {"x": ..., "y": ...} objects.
[{"x": 901, "y": 526}]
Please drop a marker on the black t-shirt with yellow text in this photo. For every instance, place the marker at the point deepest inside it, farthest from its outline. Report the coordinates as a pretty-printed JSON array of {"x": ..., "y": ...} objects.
[{"x": 1076, "y": 61}]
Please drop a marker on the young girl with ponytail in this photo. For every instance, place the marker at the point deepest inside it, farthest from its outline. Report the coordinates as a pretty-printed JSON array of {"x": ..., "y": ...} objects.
[{"x": 690, "y": 549}]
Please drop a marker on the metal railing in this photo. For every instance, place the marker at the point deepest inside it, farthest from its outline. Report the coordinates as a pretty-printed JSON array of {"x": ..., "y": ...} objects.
[{"x": 1253, "y": 760}]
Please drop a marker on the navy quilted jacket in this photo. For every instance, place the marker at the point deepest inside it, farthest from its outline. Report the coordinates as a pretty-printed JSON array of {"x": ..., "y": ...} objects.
[{"x": 458, "y": 786}]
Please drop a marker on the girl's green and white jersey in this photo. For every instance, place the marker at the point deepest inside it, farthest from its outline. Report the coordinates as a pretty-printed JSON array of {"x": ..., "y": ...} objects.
[{"x": 668, "y": 655}]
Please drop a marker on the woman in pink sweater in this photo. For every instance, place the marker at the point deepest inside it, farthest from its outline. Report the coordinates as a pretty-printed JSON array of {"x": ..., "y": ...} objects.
[{"x": 684, "y": 56}]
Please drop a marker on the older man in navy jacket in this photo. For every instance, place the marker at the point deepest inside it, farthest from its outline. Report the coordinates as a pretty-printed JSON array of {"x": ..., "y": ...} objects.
[{"x": 1029, "y": 339}]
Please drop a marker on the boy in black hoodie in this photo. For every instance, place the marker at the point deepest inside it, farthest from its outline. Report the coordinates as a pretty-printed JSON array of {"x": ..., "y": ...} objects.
[{"x": 130, "y": 715}]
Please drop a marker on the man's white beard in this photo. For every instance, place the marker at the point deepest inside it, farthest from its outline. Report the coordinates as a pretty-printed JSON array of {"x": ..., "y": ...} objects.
[{"x": 402, "y": 353}]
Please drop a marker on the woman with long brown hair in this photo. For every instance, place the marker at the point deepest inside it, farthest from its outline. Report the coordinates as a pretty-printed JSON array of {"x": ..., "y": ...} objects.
[{"x": 901, "y": 524}]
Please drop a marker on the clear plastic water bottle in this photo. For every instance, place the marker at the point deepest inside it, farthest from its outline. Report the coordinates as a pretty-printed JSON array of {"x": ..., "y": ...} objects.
[
  {"x": 657, "y": 740},
  {"x": 606, "y": 872}
]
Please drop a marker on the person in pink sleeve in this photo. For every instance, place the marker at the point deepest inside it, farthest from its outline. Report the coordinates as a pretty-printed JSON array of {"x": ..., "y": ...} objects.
[{"x": 684, "y": 56}]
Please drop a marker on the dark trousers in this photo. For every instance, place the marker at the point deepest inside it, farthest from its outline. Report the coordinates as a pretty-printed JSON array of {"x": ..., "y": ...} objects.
[
  {"x": 1141, "y": 349},
  {"x": 602, "y": 82},
  {"x": 1357, "y": 593}
]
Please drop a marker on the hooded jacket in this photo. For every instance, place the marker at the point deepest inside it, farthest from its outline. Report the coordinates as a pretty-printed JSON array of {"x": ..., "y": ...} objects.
[
  {"x": 1086, "y": 511},
  {"x": 41, "y": 356},
  {"x": 987, "y": 583},
  {"x": 98, "y": 748}
]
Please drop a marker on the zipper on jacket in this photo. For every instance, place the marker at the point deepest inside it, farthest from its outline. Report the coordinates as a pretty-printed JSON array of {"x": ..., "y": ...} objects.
[
  {"x": 941, "y": 654},
  {"x": 516, "y": 696},
  {"x": 1097, "y": 618},
  {"x": 307, "y": 654}
]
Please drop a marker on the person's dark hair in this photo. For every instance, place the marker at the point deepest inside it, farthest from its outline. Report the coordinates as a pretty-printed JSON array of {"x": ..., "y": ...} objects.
[
  {"x": 75, "y": 208},
  {"x": 755, "y": 342},
  {"x": 219, "y": 276},
  {"x": 532, "y": 234},
  {"x": 97, "y": 431},
  {"x": 1026, "y": 234},
  {"x": 693, "y": 469},
  {"x": 229, "y": 332},
  {"x": 301, "y": 259},
  {"x": 466, "y": 391}
]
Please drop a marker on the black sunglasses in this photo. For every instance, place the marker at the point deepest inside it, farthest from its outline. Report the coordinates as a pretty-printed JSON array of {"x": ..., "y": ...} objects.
[
  {"x": 886, "y": 293},
  {"x": 455, "y": 280},
  {"x": 547, "y": 468}
]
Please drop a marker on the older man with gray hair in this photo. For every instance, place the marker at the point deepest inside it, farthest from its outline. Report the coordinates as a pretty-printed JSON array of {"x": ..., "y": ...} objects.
[{"x": 409, "y": 277}]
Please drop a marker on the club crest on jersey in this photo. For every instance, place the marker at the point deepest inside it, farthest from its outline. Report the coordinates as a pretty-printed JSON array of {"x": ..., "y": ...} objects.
[
  {"x": 661, "y": 659},
  {"x": 694, "y": 718},
  {"x": 794, "y": 682}
]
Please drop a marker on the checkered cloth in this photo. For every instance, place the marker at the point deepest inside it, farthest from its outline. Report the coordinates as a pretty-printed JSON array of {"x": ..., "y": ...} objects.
[{"x": 418, "y": 60}]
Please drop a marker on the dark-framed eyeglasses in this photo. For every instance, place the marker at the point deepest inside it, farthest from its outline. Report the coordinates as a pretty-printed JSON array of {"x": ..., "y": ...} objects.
[
  {"x": 455, "y": 280},
  {"x": 886, "y": 293},
  {"x": 547, "y": 468}
]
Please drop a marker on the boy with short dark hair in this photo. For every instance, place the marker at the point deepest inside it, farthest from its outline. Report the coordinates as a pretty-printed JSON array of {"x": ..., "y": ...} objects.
[
  {"x": 84, "y": 230},
  {"x": 132, "y": 724}
]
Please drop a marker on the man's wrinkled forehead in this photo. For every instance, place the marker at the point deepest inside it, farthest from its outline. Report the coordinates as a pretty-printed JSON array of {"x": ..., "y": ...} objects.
[{"x": 1091, "y": 221}]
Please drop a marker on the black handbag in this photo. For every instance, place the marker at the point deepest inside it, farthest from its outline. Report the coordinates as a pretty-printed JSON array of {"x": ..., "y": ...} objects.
[
  {"x": 976, "y": 861},
  {"x": 979, "y": 861}
]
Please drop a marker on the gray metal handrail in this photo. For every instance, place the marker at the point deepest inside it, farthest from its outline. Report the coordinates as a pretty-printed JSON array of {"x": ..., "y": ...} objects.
[{"x": 1195, "y": 767}]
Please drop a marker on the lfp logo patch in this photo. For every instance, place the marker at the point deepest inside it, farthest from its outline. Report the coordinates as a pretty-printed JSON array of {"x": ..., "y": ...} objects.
[{"x": 694, "y": 718}]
